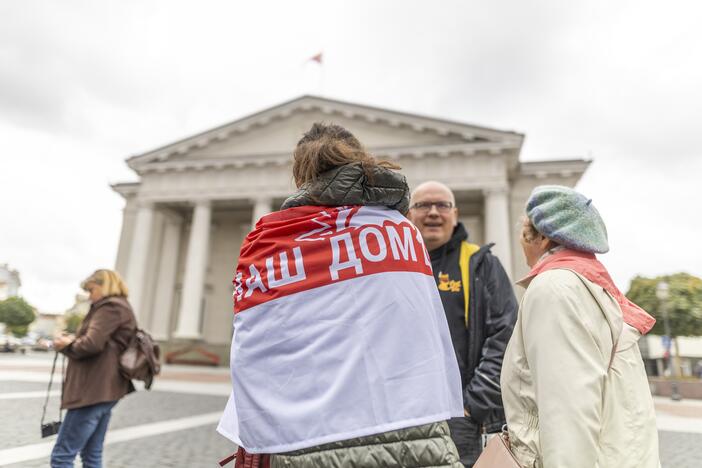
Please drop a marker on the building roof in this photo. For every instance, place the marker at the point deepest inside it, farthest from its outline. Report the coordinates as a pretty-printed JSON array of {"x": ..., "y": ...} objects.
[{"x": 469, "y": 133}]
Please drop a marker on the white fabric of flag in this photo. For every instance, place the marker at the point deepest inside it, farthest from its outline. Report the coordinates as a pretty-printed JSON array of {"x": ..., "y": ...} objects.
[{"x": 339, "y": 331}]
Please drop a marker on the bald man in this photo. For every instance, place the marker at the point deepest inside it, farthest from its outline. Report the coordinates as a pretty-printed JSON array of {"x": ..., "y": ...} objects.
[{"x": 480, "y": 308}]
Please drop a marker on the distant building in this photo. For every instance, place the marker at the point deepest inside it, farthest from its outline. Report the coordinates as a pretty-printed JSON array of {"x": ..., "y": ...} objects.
[
  {"x": 47, "y": 323},
  {"x": 51, "y": 323},
  {"x": 9, "y": 282},
  {"x": 689, "y": 347},
  {"x": 196, "y": 199},
  {"x": 81, "y": 306}
]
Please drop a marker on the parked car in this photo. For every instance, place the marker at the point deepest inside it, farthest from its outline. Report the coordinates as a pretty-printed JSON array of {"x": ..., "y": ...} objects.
[{"x": 9, "y": 344}]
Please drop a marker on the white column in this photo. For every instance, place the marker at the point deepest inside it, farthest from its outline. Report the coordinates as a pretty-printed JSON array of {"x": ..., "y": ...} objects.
[
  {"x": 195, "y": 267},
  {"x": 262, "y": 206},
  {"x": 138, "y": 255},
  {"x": 165, "y": 283},
  {"x": 497, "y": 228},
  {"x": 125, "y": 237}
]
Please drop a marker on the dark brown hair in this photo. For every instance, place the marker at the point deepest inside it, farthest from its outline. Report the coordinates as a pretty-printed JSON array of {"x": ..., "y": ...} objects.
[{"x": 327, "y": 146}]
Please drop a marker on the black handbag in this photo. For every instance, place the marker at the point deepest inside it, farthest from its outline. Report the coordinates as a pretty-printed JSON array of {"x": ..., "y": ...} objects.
[{"x": 53, "y": 427}]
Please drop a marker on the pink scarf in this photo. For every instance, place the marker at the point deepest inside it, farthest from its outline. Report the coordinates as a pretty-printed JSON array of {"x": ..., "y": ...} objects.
[{"x": 587, "y": 265}]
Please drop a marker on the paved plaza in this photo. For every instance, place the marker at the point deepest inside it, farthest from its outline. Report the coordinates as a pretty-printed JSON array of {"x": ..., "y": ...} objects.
[{"x": 174, "y": 424}]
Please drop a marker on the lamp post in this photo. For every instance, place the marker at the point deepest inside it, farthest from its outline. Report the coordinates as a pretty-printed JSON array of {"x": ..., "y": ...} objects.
[{"x": 663, "y": 293}]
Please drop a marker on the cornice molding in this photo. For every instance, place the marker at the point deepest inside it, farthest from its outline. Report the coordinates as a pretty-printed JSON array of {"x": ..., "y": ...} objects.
[
  {"x": 442, "y": 151},
  {"x": 560, "y": 167},
  {"x": 283, "y": 159},
  {"x": 126, "y": 189},
  {"x": 192, "y": 197}
]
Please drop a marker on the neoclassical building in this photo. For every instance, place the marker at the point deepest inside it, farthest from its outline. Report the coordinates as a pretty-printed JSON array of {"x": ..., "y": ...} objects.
[{"x": 197, "y": 198}]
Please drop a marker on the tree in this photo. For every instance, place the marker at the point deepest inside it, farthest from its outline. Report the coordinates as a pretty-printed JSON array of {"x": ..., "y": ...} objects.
[
  {"x": 16, "y": 314},
  {"x": 684, "y": 302},
  {"x": 73, "y": 321}
]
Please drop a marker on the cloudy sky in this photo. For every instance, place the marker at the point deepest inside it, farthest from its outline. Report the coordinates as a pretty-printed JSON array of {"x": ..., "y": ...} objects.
[{"x": 85, "y": 84}]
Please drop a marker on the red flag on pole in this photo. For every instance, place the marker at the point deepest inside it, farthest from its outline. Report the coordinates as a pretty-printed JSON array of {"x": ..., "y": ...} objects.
[{"x": 316, "y": 58}]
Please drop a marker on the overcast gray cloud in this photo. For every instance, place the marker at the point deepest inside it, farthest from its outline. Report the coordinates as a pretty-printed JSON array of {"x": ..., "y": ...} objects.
[{"x": 85, "y": 84}]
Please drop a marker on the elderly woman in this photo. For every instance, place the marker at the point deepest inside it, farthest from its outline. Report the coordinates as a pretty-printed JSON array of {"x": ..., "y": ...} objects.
[
  {"x": 341, "y": 354},
  {"x": 93, "y": 384},
  {"x": 573, "y": 382}
]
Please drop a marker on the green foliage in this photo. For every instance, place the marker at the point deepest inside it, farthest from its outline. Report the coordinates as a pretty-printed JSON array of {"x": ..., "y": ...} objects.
[
  {"x": 18, "y": 330},
  {"x": 16, "y": 314},
  {"x": 73, "y": 322},
  {"x": 684, "y": 302}
]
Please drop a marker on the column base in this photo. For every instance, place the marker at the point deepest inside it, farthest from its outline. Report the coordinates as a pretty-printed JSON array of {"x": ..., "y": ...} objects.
[
  {"x": 187, "y": 336},
  {"x": 193, "y": 352}
]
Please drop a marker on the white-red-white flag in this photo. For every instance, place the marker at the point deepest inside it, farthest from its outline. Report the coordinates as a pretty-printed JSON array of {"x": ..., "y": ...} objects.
[{"x": 339, "y": 331}]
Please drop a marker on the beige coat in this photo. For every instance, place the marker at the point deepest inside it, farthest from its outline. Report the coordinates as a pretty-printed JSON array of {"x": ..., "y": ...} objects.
[{"x": 565, "y": 406}]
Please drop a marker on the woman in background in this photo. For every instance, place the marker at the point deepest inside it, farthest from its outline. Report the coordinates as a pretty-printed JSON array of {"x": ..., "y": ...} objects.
[{"x": 93, "y": 384}]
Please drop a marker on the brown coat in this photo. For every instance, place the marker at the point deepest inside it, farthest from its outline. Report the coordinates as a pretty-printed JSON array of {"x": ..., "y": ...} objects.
[{"x": 93, "y": 374}]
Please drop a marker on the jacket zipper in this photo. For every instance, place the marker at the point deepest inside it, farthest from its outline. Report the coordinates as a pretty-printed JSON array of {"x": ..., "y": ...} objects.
[{"x": 487, "y": 379}]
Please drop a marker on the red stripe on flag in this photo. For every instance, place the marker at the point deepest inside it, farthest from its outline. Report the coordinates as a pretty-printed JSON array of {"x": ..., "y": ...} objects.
[{"x": 308, "y": 247}]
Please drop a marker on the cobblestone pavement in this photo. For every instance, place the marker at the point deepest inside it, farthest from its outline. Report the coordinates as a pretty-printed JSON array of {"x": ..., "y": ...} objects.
[
  {"x": 191, "y": 448},
  {"x": 680, "y": 449},
  {"x": 137, "y": 408},
  {"x": 201, "y": 446},
  {"x": 13, "y": 386}
]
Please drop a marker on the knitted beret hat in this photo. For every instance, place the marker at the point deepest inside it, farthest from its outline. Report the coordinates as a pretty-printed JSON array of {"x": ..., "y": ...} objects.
[{"x": 567, "y": 217}]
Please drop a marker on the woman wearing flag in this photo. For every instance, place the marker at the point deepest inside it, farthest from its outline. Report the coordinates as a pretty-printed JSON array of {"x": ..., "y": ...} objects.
[
  {"x": 573, "y": 383},
  {"x": 341, "y": 355}
]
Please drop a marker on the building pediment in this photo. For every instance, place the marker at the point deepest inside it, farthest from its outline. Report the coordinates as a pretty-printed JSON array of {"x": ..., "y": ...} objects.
[{"x": 269, "y": 136}]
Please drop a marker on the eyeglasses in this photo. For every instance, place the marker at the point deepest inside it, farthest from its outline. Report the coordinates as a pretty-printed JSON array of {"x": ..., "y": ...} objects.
[{"x": 425, "y": 207}]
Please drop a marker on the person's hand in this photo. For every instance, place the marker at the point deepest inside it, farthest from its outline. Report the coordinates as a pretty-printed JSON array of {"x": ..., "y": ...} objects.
[
  {"x": 466, "y": 413},
  {"x": 62, "y": 341}
]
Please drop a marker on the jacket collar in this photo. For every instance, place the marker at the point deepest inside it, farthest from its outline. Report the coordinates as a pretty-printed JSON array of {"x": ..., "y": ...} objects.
[
  {"x": 113, "y": 299},
  {"x": 100, "y": 302},
  {"x": 587, "y": 265},
  {"x": 459, "y": 235},
  {"x": 350, "y": 185}
]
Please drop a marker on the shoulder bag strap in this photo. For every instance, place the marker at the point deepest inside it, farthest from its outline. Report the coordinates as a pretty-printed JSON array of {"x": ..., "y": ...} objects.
[
  {"x": 63, "y": 384},
  {"x": 615, "y": 338},
  {"x": 48, "y": 390}
]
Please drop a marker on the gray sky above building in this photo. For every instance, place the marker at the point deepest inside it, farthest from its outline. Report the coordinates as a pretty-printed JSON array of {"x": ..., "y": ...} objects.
[{"x": 85, "y": 84}]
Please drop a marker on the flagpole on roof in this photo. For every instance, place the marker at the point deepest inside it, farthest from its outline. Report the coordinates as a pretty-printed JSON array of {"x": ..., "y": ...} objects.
[
  {"x": 321, "y": 78},
  {"x": 319, "y": 60}
]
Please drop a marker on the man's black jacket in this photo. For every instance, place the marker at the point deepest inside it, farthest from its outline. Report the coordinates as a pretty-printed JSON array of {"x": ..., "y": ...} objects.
[{"x": 492, "y": 312}]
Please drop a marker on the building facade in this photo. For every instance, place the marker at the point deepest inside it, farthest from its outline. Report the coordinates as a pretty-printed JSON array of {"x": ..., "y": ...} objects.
[
  {"x": 9, "y": 282},
  {"x": 197, "y": 198}
]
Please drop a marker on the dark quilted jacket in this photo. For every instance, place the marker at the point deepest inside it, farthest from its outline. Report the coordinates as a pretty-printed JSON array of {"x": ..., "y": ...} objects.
[
  {"x": 428, "y": 445},
  {"x": 349, "y": 185}
]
